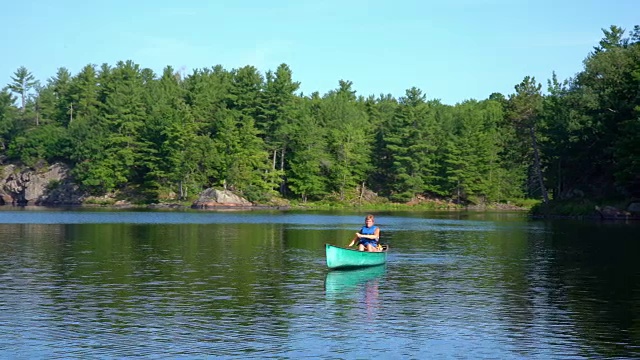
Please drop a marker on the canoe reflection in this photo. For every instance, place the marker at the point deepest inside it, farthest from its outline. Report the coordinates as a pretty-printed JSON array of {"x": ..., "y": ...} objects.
[{"x": 338, "y": 281}]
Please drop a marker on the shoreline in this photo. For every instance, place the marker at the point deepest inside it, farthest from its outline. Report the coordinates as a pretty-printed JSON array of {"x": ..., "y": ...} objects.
[{"x": 425, "y": 207}]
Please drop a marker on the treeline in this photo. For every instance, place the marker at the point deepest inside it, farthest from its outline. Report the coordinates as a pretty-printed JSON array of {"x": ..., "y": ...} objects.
[{"x": 125, "y": 128}]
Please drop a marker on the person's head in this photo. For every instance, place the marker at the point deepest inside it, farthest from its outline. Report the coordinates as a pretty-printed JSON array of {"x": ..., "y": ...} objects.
[{"x": 368, "y": 220}]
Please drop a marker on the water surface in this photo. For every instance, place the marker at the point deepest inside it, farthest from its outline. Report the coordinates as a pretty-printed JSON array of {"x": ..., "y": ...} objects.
[{"x": 167, "y": 284}]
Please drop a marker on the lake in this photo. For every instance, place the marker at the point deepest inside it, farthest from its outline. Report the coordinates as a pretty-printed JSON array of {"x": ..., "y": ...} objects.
[{"x": 88, "y": 283}]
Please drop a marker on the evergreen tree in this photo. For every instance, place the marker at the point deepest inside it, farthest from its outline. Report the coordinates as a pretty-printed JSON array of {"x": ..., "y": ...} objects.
[
  {"x": 207, "y": 92},
  {"x": 381, "y": 111},
  {"x": 609, "y": 93},
  {"x": 244, "y": 94},
  {"x": 44, "y": 102},
  {"x": 8, "y": 117},
  {"x": 122, "y": 116},
  {"x": 275, "y": 117},
  {"x": 243, "y": 160},
  {"x": 308, "y": 153},
  {"x": 524, "y": 109},
  {"x": 22, "y": 82},
  {"x": 84, "y": 95},
  {"x": 43, "y": 143},
  {"x": 87, "y": 134},
  {"x": 61, "y": 87},
  {"x": 471, "y": 151},
  {"x": 349, "y": 139},
  {"x": 409, "y": 142},
  {"x": 168, "y": 133}
]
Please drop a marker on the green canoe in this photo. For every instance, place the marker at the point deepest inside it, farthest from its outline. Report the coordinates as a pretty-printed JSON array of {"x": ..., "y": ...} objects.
[{"x": 342, "y": 258}]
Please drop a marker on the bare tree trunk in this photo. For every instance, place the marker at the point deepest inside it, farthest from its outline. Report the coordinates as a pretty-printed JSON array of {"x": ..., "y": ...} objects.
[
  {"x": 559, "y": 185},
  {"x": 282, "y": 182},
  {"x": 538, "y": 167},
  {"x": 273, "y": 166},
  {"x": 37, "y": 113},
  {"x": 282, "y": 158}
]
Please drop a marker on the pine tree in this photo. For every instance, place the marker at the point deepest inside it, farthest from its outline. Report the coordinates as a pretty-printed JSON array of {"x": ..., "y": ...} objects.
[
  {"x": 349, "y": 139},
  {"x": 84, "y": 95},
  {"x": 22, "y": 82},
  {"x": 8, "y": 117},
  {"x": 275, "y": 117},
  {"x": 61, "y": 88},
  {"x": 168, "y": 133},
  {"x": 524, "y": 109},
  {"x": 380, "y": 112},
  {"x": 409, "y": 142},
  {"x": 305, "y": 173}
]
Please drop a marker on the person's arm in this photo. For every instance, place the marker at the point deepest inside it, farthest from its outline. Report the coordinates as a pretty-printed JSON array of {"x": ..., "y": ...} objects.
[
  {"x": 355, "y": 239},
  {"x": 375, "y": 236}
]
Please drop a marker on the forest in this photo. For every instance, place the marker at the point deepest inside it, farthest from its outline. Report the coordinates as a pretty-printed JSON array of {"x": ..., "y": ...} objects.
[{"x": 165, "y": 137}]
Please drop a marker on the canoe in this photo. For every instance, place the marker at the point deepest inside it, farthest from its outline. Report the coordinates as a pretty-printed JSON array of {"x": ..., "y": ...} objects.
[{"x": 343, "y": 258}]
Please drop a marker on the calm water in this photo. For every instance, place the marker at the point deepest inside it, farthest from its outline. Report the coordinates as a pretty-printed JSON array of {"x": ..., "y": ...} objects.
[{"x": 87, "y": 284}]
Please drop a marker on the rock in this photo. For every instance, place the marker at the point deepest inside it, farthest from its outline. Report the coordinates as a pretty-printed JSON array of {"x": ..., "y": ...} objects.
[
  {"x": 51, "y": 186},
  {"x": 634, "y": 207},
  {"x": 610, "y": 212},
  {"x": 219, "y": 198}
]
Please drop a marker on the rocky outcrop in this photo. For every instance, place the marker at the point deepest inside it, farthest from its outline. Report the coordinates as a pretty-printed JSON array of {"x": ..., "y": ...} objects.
[
  {"x": 212, "y": 198},
  {"x": 48, "y": 186},
  {"x": 613, "y": 213}
]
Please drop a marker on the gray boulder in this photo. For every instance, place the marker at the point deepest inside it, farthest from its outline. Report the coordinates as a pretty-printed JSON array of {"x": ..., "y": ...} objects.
[
  {"x": 28, "y": 186},
  {"x": 211, "y": 198}
]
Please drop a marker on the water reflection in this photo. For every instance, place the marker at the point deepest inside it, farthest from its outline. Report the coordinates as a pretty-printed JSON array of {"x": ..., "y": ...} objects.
[
  {"x": 345, "y": 281},
  {"x": 224, "y": 287}
]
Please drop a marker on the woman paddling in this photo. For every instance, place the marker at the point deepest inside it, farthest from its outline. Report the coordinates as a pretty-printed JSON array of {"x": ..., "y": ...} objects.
[{"x": 367, "y": 238}]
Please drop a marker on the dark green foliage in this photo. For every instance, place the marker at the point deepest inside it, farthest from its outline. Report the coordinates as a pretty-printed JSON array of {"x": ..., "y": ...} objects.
[
  {"x": 410, "y": 147},
  {"x": 124, "y": 129},
  {"x": 168, "y": 134},
  {"x": 591, "y": 123},
  {"x": 275, "y": 120},
  {"x": 308, "y": 156},
  {"x": 243, "y": 162},
  {"x": 349, "y": 139},
  {"x": 8, "y": 117},
  {"x": 471, "y": 163},
  {"x": 523, "y": 113},
  {"x": 381, "y": 112},
  {"x": 47, "y": 142},
  {"x": 60, "y": 86},
  {"x": 84, "y": 95}
]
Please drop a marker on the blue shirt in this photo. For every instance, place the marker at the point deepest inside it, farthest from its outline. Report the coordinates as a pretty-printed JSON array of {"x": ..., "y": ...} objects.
[{"x": 368, "y": 231}]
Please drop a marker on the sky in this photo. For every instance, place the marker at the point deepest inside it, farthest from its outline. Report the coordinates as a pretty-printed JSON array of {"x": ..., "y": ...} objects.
[{"x": 452, "y": 50}]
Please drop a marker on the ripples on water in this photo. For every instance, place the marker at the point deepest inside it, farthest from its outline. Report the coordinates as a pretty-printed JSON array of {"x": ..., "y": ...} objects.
[{"x": 114, "y": 285}]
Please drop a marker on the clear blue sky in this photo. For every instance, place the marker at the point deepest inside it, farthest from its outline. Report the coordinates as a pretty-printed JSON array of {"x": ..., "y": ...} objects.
[{"x": 452, "y": 50}]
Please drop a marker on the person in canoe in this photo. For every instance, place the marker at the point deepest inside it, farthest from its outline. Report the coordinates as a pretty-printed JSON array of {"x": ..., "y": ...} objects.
[{"x": 367, "y": 238}]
